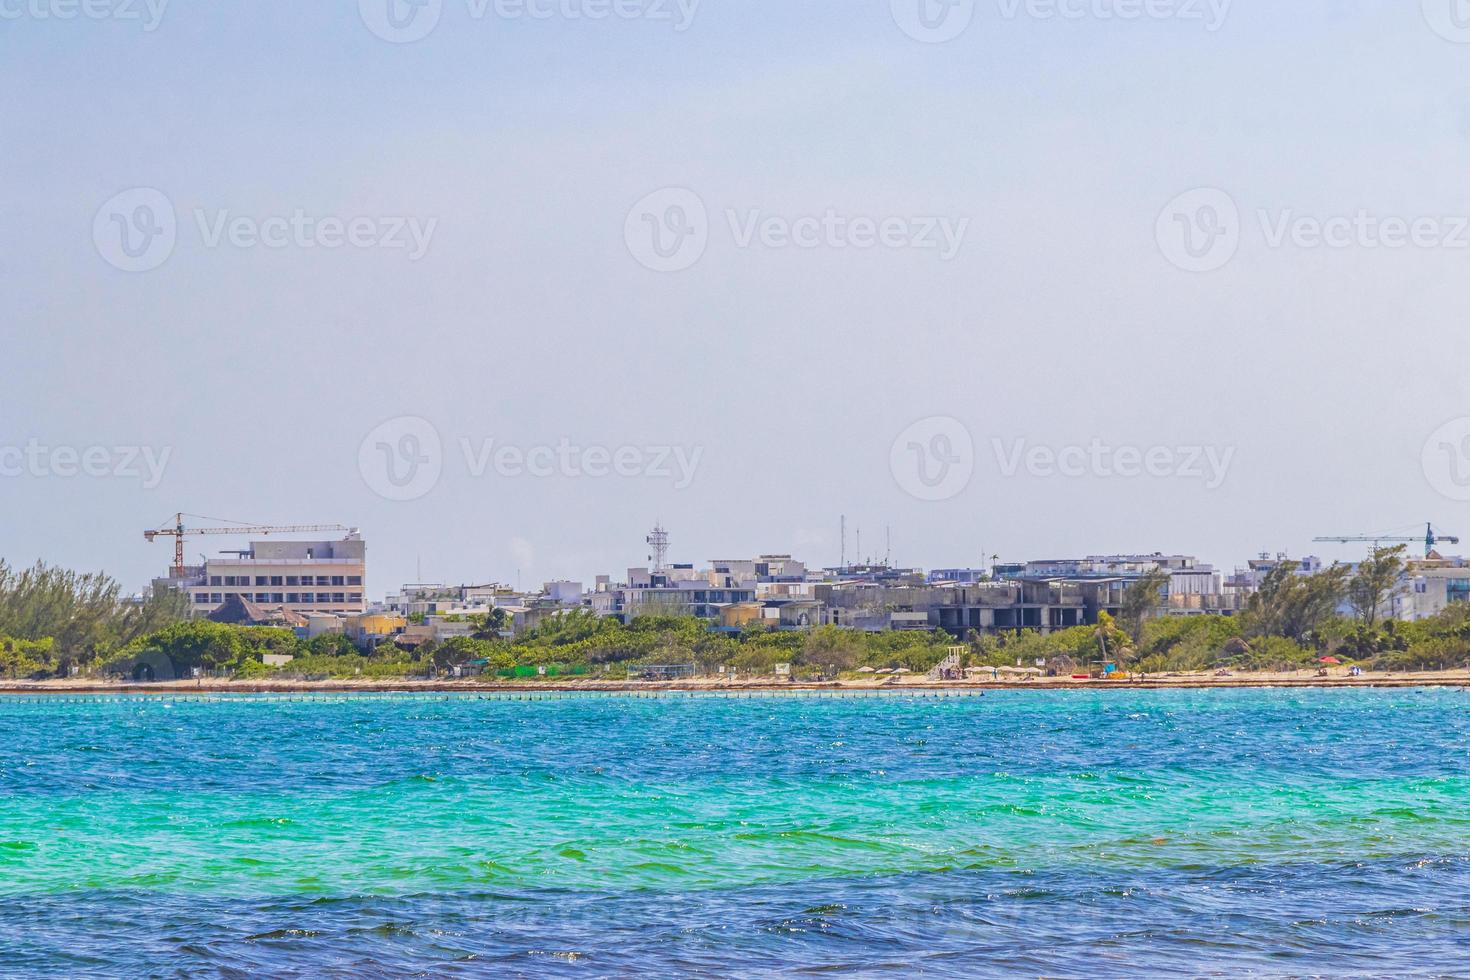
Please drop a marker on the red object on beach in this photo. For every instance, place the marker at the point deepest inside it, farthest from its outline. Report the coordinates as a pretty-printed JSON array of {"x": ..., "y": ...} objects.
[
  {"x": 1081, "y": 677},
  {"x": 1328, "y": 660}
]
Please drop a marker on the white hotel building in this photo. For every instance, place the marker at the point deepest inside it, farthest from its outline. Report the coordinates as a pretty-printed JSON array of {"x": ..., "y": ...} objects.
[{"x": 301, "y": 576}]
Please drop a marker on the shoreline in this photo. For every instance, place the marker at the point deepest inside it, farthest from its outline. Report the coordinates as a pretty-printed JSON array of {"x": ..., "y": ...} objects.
[{"x": 917, "y": 685}]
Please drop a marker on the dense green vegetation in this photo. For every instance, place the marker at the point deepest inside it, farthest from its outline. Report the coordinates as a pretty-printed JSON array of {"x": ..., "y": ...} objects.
[
  {"x": 208, "y": 646},
  {"x": 583, "y": 637},
  {"x": 52, "y": 620},
  {"x": 604, "y": 647},
  {"x": 1196, "y": 643},
  {"x": 608, "y": 649}
]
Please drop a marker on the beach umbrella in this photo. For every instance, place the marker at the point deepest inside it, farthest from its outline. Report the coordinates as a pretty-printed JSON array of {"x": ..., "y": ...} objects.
[
  {"x": 866, "y": 670},
  {"x": 1328, "y": 660}
]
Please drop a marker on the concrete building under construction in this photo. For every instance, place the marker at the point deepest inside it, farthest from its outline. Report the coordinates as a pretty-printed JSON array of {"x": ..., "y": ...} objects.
[{"x": 298, "y": 576}]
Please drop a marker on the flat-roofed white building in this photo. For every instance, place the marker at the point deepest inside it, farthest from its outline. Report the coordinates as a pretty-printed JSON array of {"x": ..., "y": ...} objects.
[
  {"x": 301, "y": 576},
  {"x": 1429, "y": 587}
]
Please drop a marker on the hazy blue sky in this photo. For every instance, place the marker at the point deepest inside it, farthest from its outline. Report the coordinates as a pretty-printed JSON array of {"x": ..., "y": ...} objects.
[{"x": 521, "y": 147}]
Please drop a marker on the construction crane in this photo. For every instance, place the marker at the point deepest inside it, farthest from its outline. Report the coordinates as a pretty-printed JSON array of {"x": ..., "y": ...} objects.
[
  {"x": 178, "y": 532},
  {"x": 1430, "y": 539}
]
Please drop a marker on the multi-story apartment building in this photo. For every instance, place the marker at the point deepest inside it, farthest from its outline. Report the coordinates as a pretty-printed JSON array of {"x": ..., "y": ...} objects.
[
  {"x": 674, "y": 590},
  {"x": 874, "y": 574},
  {"x": 957, "y": 576},
  {"x": 1248, "y": 579},
  {"x": 1187, "y": 575},
  {"x": 1429, "y": 586},
  {"x": 427, "y": 599},
  {"x": 727, "y": 573},
  {"x": 988, "y": 607},
  {"x": 298, "y": 576}
]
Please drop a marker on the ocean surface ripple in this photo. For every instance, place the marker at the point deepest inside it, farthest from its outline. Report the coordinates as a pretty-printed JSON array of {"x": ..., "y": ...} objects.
[{"x": 1267, "y": 832}]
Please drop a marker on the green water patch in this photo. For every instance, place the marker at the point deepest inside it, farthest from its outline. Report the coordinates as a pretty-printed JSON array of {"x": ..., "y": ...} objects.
[{"x": 600, "y": 832}]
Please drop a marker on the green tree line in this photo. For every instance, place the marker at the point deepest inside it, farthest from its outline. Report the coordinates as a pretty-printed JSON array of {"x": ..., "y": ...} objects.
[{"x": 53, "y": 619}]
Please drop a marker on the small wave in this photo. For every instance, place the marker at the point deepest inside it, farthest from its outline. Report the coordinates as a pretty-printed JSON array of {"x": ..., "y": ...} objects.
[
  {"x": 260, "y": 822},
  {"x": 284, "y": 934}
]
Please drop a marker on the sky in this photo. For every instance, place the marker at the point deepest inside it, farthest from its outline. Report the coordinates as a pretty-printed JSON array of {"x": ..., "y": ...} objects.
[{"x": 504, "y": 283}]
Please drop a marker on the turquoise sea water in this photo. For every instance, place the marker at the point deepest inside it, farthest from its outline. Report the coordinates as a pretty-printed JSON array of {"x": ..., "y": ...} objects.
[{"x": 1033, "y": 833}]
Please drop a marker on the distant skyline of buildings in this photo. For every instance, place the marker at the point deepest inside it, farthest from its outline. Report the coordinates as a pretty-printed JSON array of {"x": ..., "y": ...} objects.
[
  {"x": 323, "y": 583},
  {"x": 275, "y": 550}
]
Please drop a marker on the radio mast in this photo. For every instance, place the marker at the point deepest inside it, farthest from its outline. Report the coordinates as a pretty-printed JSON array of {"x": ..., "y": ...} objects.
[{"x": 658, "y": 540}]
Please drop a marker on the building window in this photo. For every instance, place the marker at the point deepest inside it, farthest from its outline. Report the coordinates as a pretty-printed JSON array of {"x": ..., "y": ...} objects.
[
  {"x": 214, "y": 580},
  {"x": 216, "y": 598},
  {"x": 293, "y": 580},
  {"x": 338, "y": 580},
  {"x": 278, "y": 597},
  {"x": 338, "y": 597},
  {"x": 262, "y": 597},
  {"x": 275, "y": 580},
  {"x": 308, "y": 597},
  {"x": 354, "y": 580},
  {"x": 201, "y": 597},
  {"x": 354, "y": 597},
  {"x": 293, "y": 596},
  {"x": 260, "y": 580},
  {"x": 322, "y": 580}
]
